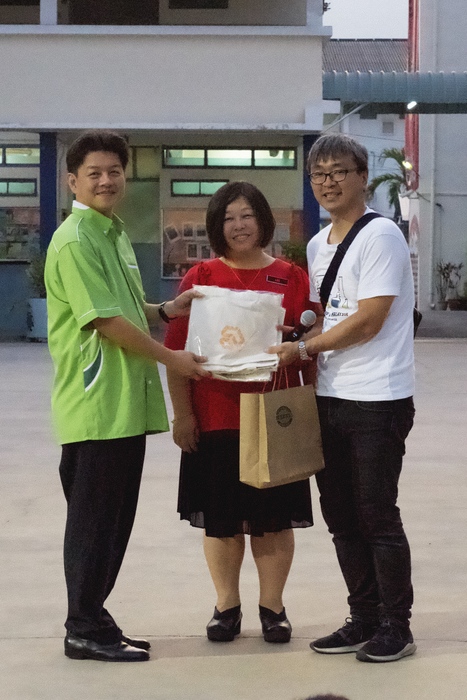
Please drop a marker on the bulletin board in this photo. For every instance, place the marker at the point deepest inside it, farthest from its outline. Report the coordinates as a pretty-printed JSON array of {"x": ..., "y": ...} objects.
[{"x": 185, "y": 242}]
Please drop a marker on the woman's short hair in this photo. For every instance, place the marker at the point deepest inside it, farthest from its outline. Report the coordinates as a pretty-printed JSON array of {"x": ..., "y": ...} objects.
[
  {"x": 96, "y": 140},
  {"x": 218, "y": 204},
  {"x": 332, "y": 146}
]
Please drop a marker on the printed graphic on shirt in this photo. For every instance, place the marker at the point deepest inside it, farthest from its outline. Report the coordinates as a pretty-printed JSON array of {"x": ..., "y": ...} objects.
[
  {"x": 340, "y": 300},
  {"x": 338, "y": 304},
  {"x": 92, "y": 371}
]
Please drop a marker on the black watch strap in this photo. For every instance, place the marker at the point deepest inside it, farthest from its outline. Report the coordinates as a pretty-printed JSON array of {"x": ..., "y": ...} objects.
[{"x": 162, "y": 313}]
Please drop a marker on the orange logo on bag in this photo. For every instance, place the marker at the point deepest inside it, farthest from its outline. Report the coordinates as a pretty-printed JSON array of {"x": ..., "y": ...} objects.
[
  {"x": 284, "y": 416},
  {"x": 232, "y": 338}
]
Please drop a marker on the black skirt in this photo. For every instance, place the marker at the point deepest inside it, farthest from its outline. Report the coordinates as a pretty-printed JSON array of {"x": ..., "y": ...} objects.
[{"x": 212, "y": 497}]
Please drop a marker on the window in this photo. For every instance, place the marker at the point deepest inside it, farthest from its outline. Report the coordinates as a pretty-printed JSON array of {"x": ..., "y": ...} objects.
[
  {"x": 274, "y": 157},
  {"x": 195, "y": 188},
  {"x": 184, "y": 157},
  {"x": 229, "y": 158},
  {"x": 19, "y": 155},
  {"x": 117, "y": 12},
  {"x": 18, "y": 188},
  {"x": 198, "y": 4}
]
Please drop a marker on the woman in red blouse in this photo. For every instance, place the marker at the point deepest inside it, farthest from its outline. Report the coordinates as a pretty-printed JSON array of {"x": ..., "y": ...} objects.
[{"x": 240, "y": 225}]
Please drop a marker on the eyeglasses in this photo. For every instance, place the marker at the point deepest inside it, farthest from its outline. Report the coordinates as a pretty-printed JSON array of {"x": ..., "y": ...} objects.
[{"x": 334, "y": 176}]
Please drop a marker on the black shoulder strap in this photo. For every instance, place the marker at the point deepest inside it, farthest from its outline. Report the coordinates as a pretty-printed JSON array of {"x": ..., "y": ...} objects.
[{"x": 342, "y": 248}]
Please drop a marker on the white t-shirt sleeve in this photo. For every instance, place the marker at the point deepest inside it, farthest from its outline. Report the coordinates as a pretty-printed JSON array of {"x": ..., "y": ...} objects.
[
  {"x": 382, "y": 266},
  {"x": 311, "y": 252}
]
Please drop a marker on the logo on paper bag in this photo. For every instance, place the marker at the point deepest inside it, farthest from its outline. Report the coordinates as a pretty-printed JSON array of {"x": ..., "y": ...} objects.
[
  {"x": 284, "y": 416},
  {"x": 232, "y": 338}
]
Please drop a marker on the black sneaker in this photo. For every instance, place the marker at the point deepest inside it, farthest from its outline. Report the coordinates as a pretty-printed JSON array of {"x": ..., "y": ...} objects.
[
  {"x": 392, "y": 641},
  {"x": 351, "y": 637}
]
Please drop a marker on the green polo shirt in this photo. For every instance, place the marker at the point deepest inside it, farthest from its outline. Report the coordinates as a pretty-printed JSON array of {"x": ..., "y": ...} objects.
[{"x": 100, "y": 391}]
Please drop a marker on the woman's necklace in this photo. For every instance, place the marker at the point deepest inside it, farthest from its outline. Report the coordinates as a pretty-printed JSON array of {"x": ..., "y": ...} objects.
[
  {"x": 250, "y": 283},
  {"x": 242, "y": 282}
]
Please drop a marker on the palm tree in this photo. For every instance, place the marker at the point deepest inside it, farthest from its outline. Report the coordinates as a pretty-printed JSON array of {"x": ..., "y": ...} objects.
[{"x": 396, "y": 181}]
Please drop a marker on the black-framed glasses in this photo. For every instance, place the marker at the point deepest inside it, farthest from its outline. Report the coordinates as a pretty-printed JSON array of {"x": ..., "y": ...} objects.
[{"x": 319, "y": 178}]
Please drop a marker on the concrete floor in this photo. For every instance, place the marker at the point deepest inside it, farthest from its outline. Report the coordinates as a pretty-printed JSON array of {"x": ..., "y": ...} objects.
[{"x": 164, "y": 590}]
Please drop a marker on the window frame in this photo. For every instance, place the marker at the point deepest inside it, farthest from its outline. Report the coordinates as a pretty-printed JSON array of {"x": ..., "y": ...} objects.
[
  {"x": 8, "y": 180},
  {"x": 209, "y": 5},
  {"x": 252, "y": 165},
  {"x": 5, "y": 146},
  {"x": 197, "y": 181}
]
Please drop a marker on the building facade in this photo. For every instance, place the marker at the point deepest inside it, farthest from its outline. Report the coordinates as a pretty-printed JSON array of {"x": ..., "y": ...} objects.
[
  {"x": 205, "y": 92},
  {"x": 442, "y": 193}
]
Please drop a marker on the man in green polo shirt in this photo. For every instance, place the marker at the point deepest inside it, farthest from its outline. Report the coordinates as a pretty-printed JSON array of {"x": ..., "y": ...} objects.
[{"x": 107, "y": 394}]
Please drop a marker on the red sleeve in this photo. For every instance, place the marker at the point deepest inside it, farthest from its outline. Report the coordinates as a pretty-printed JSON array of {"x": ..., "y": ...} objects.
[
  {"x": 175, "y": 337},
  {"x": 298, "y": 298}
]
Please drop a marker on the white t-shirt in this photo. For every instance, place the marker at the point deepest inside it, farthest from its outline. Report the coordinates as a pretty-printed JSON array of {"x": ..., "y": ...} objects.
[{"x": 376, "y": 264}]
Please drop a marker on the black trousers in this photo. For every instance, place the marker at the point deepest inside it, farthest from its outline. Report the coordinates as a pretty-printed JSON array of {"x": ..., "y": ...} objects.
[
  {"x": 363, "y": 444},
  {"x": 101, "y": 480}
]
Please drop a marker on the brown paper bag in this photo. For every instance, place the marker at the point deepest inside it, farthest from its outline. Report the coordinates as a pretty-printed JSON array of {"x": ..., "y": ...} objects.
[{"x": 280, "y": 439}]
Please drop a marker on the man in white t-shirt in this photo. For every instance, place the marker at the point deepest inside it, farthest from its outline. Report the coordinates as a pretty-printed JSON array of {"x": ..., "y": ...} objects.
[{"x": 364, "y": 393}]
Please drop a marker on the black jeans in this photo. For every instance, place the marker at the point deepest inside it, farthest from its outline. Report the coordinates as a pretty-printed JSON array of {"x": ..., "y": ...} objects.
[
  {"x": 101, "y": 480},
  {"x": 364, "y": 443}
]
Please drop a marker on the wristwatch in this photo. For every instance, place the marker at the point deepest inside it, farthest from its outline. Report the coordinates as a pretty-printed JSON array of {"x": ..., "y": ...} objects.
[
  {"x": 302, "y": 351},
  {"x": 162, "y": 313}
]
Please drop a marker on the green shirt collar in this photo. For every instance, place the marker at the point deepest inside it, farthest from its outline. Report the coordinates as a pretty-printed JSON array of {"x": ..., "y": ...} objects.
[{"x": 98, "y": 219}]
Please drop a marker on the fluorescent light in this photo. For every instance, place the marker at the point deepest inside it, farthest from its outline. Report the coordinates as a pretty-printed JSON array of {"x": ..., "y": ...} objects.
[
  {"x": 407, "y": 165},
  {"x": 412, "y": 104}
]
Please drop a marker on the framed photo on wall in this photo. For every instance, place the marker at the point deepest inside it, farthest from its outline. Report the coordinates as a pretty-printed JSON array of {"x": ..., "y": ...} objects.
[
  {"x": 185, "y": 242},
  {"x": 19, "y": 232}
]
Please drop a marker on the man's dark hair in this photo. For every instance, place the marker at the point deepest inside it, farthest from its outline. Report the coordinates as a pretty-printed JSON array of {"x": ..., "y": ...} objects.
[
  {"x": 219, "y": 202},
  {"x": 332, "y": 146},
  {"x": 96, "y": 140}
]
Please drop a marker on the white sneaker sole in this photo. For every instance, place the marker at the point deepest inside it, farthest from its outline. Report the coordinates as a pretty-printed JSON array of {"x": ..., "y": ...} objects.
[
  {"x": 339, "y": 650},
  {"x": 408, "y": 650}
]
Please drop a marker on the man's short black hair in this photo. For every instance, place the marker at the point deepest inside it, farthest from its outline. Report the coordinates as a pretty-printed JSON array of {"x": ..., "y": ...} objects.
[
  {"x": 331, "y": 146},
  {"x": 219, "y": 202},
  {"x": 96, "y": 140}
]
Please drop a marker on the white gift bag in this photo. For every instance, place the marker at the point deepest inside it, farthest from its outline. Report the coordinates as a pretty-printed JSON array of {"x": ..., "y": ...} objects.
[{"x": 233, "y": 329}]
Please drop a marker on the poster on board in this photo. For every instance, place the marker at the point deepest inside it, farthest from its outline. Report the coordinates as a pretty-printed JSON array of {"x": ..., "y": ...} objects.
[
  {"x": 185, "y": 241},
  {"x": 19, "y": 232}
]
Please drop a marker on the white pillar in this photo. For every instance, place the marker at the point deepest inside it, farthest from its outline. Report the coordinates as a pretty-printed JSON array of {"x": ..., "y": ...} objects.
[{"x": 49, "y": 11}]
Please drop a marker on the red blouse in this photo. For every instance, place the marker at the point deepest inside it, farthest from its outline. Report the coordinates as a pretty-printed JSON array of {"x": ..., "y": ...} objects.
[{"x": 216, "y": 403}]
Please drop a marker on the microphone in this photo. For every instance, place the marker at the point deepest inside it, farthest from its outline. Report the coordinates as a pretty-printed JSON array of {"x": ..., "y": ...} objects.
[{"x": 307, "y": 320}]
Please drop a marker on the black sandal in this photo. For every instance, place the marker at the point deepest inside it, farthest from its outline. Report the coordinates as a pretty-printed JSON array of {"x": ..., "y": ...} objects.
[
  {"x": 276, "y": 627},
  {"x": 225, "y": 625}
]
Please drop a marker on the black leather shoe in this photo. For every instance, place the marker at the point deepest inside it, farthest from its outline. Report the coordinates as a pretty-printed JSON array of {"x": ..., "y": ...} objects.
[
  {"x": 225, "y": 625},
  {"x": 138, "y": 643},
  {"x": 77, "y": 648},
  {"x": 276, "y": 627}
]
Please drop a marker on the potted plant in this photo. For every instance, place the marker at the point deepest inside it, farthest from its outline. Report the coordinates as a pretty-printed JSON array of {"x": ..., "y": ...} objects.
[
  {"x": 37, "y": 312},
  {"x": 463, "y": 299},
  {"x": 448, "y": 276},
  {"x": 295, "y": 252}
]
